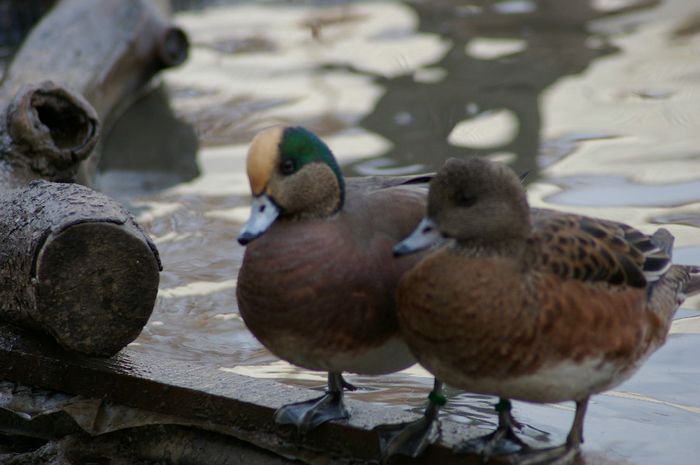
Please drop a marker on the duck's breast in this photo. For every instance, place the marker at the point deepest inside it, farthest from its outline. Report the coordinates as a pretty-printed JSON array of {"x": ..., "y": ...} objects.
[
  {"x": 485, "y": 326},
  {"x": 321, "y": 293}
]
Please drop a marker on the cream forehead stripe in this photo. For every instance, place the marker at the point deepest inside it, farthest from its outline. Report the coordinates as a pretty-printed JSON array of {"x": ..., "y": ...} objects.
[{"x": 262, "y": 158}]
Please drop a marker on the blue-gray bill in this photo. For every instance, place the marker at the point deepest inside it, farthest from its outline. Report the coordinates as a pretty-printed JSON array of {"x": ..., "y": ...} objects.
[
  {"x": 425, "y": 235},
  {"x": 263, "y": 212}
]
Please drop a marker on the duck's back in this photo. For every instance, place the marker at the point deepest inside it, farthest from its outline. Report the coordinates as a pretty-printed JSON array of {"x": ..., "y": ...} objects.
[
  {"x": 614, "y": 278},
  {"x": 317, "y": 291}
]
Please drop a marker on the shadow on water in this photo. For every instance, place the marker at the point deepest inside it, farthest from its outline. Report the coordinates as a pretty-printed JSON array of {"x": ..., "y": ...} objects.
[{"x": 148, "y": 147}]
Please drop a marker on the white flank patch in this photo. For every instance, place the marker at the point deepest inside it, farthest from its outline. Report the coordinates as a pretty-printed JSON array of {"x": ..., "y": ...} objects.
[
  {"x": 556, "y": 383},
  {"x": 388, "y": 358}
]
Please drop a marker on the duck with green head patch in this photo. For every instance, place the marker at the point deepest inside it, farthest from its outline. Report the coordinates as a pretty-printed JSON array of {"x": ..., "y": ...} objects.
[{"x": 318, "y": 279}]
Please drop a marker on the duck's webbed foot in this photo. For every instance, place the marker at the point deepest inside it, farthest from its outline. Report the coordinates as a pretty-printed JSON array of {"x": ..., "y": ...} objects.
[
  {"x": 562, "y": 455},
  {"x": 503, "y": 441},
  {"x": 346, "y": 385},
  {"x": 309, "y": 414},
  {"x": 412, "y": 438}
]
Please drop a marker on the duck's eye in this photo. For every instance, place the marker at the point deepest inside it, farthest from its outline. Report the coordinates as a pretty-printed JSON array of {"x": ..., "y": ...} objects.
[
  {"x": 465, "y": 199},
  {"x": 288, "y": 166}
]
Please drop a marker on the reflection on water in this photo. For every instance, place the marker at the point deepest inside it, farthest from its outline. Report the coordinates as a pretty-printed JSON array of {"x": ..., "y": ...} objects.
[
  {"x": 609, "y": 191},
  {"x": 495, "y": 64},
  {"x": 598, "y": 104}
]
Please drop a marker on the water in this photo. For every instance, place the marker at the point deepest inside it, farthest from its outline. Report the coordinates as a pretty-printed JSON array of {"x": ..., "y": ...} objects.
[{"x": 599, "y": 105}]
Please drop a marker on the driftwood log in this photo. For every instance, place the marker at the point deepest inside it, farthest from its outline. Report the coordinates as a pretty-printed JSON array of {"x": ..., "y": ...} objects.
[
  {"x": 73, "y": 262},
  {"x": 45, "y": 133},
  {"x": 106, "y": 51}
]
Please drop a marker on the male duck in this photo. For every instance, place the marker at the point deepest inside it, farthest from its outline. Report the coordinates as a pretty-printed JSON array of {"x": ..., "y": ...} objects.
[
  {"x": 317, "y": 284},
  {"x": 536, "y": 305}
]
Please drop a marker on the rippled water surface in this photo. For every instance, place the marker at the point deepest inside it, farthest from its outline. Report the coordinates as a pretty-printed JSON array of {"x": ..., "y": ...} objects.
[{"x": 600, "y": 103}]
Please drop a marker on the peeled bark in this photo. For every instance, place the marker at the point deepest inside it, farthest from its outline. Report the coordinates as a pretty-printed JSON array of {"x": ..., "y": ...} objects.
[{"x": 74, "y": 264}]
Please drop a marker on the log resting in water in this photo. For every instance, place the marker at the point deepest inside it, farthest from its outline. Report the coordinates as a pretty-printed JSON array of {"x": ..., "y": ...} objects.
[{"x": 74, "y": 264}]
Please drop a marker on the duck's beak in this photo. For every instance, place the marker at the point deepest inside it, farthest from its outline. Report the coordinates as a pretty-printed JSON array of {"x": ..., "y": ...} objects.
[
  {"x": 425, "y": 235},
  {"x": 263, "y": 213}
]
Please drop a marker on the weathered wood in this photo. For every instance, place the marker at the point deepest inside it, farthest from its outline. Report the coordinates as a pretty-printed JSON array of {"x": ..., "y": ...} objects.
[
  {"x": 104, "y": 50},
  {"x": 212, "y": 399},
  {"x": 46, "y": 131},
  {"x": 74, "y": 264},
  {"x": 148, "y": 445},
  {"x": 207, "y": 399}
]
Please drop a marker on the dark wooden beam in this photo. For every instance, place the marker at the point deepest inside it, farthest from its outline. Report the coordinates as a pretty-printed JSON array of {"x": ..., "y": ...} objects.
[{"x": 225, "y": 402}]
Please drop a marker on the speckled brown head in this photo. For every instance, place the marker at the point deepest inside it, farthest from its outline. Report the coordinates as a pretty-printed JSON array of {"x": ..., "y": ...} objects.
[
  {"x": 292, "y": 174},
  {"x": 479, "y": 200},
  {"x": 476, "y": 202}
]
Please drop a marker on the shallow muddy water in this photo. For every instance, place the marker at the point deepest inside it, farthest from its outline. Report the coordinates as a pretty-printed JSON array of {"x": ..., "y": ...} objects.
[{"x": 600, "y": 103}]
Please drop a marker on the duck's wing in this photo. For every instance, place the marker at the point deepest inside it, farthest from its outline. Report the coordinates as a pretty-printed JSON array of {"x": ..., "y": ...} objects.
[
  {"x": 372, "y": 183},
  {"x": 590, "y": 249},
  {"x": 384, "y": 208}
]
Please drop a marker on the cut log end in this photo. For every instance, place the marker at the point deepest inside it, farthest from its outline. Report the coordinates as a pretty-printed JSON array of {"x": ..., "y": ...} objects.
[
  {"x": 96, "y": 285},
  {"x": 173, "y": 47},
  {"x": 55, "y": 127}
]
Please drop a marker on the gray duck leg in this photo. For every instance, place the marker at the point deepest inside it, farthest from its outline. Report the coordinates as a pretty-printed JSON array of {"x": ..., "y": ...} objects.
[
  {"x": 412, "y": 438},
  {"x": 567, "y": 452},
  {"x": 309, "y": 414},
  {"x": 503, "y": 441}
]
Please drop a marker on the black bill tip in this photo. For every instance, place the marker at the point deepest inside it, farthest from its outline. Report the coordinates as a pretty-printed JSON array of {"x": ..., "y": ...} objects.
[
  {"x": 247, "y": 237},
  {"x": 402, "y": 249}
]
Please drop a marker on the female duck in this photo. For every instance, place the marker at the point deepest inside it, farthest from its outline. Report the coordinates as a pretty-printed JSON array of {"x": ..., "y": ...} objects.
[
  {"x": 535, "y": 305},
  {"x": 318, "y": 279}
]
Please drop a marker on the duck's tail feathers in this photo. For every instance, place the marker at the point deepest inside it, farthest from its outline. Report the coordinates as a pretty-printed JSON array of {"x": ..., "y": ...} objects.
[
  {"x": 657, "y": 250},
  {"x": 693, "y": 285}
]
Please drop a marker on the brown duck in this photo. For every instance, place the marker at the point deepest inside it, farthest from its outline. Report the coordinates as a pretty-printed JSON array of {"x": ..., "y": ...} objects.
[
  {"x": 317, "y": 284},
  {"x": 536, "y": 305}
]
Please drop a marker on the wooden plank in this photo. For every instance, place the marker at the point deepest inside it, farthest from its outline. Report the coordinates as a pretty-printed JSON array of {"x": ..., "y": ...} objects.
[
  {"x": 220, "y": 402},
  {"x": 234, "y": 404}
]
